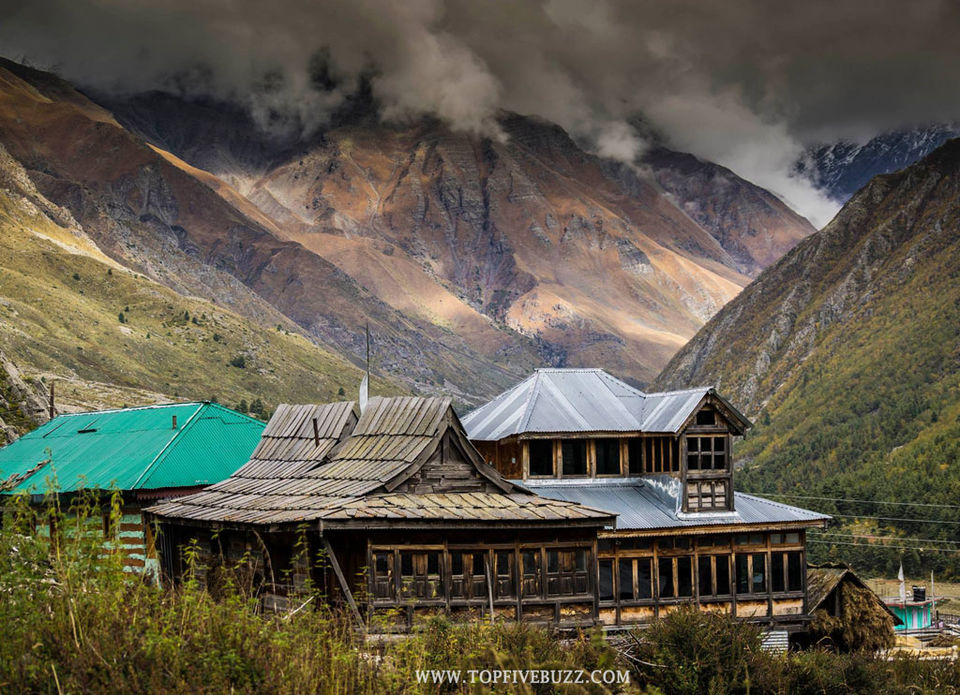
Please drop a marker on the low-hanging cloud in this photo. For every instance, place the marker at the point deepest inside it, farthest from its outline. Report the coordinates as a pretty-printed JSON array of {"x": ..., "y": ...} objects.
[{"x": 745, "y": 83}]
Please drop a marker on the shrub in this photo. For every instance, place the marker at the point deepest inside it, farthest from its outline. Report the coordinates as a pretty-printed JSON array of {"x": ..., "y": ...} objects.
[{"x": 238, "y": 361}]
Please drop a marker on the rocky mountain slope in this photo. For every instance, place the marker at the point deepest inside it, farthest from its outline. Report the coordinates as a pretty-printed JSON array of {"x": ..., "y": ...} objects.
[
  {"x": 847, "y": 354},
  {"x": 155, "y": 214},
  {"x": 110, "y": 336},
  {"x": 527, "y": 239},
  {"x": 842, "y": 168}
]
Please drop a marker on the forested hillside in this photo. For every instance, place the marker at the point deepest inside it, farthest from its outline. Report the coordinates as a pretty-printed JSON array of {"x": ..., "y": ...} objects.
[{"x": 847, "y": 355}]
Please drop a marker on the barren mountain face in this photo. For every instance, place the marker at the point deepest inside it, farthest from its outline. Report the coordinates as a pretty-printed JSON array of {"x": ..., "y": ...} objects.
[{"x": 472, "y": 259}]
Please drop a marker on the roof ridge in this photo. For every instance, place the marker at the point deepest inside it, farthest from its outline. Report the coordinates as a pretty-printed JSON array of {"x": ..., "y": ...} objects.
[
  {"x": 693, "y": 389},
  {"x": 531, "y": 401},
  {"x": 104, "y": 411}
]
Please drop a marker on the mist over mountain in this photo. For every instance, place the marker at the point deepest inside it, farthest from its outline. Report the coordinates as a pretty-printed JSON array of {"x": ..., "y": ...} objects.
[{"x": 842, "y": 168}]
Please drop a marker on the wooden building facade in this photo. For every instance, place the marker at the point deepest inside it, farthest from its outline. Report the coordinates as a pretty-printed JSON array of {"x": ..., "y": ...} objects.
[
  {"x": 407, "y": 518},
  {"x": 662, "y": 463}
]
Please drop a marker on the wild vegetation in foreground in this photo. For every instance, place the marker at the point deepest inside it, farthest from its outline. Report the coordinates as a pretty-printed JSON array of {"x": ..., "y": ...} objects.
[{"x": 74, "y": 621}]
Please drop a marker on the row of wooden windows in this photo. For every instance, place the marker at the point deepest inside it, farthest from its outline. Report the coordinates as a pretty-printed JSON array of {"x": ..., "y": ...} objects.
[
  {"x": 664, "y": 578},
  {"x": 540, "y": 572},
  {"x": 644, "y": 455}
]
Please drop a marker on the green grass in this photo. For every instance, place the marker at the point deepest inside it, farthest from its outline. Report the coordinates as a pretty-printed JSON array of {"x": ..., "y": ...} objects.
[{"x": 59, "y": 318}]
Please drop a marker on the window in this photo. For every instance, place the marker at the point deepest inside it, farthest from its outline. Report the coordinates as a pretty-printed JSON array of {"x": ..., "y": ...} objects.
[
  {"x": 794, "y": 572},
  {"x": 478, "y": 570},
  {"x": 684, "y": 577},
  {"x": 635, "y": 455},
  {"x": 706, "y": 453},
  {"x": 778, "y": 577},
  {"x": 530, "y": 560},
  {"x": 636, "y": 578},
  {"x": 574, "y": 453},
  {"x": 383, "y": 574},
  {"x": 606, "y": 580},
  {"x": 665, "y": 585},
  {"x": 608, "y": 456},
  {"x": 743, "y": 573},
  {"x": 785, "y": 572},
  {"x": 541, "y": 457},
  {"x": 504, "y": 572},
  {"x": 420, "y": 574},
  {"x": 714, "y": 542},
  {"x": 707, "y": 495},
  {"x": 759, "y": 573},
  {"x": 722, "y": 565},
  {"x": 705, "y": 575},
  {"x": 460, "y": 563},
  {"x": 567, "y": 572},
  {"x": 676, "y": 543},
  {"x": 706, "y": 416},
  {"x": 662, "y": 455}
]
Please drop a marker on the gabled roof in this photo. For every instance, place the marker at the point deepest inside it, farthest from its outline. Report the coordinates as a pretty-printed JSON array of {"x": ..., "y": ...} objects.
[
  {"x": 648, "y": 503},
  {"x": 393, "y": 439},
  {"x": 588, "y": 400},
  {"x": 130, "y": 449}
]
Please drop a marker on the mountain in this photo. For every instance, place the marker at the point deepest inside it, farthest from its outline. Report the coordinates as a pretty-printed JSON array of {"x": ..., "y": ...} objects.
[
  {"x": 471, "y": 259},
  {"x": 109, "y": 336},
  {"x": 847, "y": 354},
  {"x": 842, "y": 168},
  {"x": 529, "y": 239}
]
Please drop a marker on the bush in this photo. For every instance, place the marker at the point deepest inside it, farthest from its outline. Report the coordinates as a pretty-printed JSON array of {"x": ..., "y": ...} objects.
[{"x": 238, "y": 361}]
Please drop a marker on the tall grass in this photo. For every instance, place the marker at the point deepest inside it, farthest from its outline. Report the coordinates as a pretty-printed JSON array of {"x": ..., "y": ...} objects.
[{"x": 73, "y": 621}]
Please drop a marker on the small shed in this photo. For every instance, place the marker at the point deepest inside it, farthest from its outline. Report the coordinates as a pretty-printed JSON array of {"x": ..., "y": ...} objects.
[{"x": 846, "y": 613}]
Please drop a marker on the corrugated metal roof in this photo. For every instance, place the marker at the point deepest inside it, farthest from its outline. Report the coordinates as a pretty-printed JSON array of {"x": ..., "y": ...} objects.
[
  {"x": 583, "y": 400},
  {"x": 130, "y": 449},
  {"x": 641, "y": 504},
  {"x": 393, "y": 435}
]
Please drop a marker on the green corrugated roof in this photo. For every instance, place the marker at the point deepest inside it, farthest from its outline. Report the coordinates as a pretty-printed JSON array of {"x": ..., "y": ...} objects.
[{"x": 131, "y": 449}]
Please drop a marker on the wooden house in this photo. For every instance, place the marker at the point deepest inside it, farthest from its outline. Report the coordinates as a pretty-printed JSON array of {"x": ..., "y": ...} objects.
[
  {"x": 147, "y": 454},
  {"x": 409, "y": 519},
  {"x": 662, "y": 463}
]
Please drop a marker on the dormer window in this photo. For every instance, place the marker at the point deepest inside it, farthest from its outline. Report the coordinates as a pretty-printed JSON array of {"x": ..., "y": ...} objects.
[{"x": 707, "y": 453}]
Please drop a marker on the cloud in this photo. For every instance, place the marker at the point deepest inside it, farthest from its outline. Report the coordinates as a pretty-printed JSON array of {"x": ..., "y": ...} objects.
[{"x": 745, "y": 83}]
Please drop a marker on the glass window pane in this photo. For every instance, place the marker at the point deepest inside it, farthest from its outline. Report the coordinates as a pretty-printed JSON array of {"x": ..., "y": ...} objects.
[
  {"x": 608, "y": 456},
  {"x": 574, "y": 457},
  {"x": 776, "y": 572},
  {"x": 644, "y": 576},
  {"x": 723, "y": 574},
  {"x": 743, "y": 574},
  {"x": 606, "y": 580},
  {"x": 794, "y": 572},
  {"x": 793, "y": 538},
  {"x": 665, "y": 570},
  {"x": 705, "y": 576},
  {"x": 684, "y": 576},
  {"x": 541, "y": 457},
  {"x": 759, "y": 573},
  {"x": 626, "y": 579}
]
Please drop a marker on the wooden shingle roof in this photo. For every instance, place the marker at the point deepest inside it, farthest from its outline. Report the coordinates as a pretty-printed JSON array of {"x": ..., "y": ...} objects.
[{"x": 355, "y": 479}]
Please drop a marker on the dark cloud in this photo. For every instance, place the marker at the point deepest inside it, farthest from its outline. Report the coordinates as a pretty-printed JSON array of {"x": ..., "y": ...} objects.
[{"x": 744, "y": 82}]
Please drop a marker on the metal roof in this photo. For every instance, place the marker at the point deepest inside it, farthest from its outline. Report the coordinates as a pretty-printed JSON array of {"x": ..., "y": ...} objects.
[
  {"x": 393, "y": 438},
  {"x": 641, "y": 503},
  {"x": 130, "y": 449},
  {"x": 584, "y": 400}
]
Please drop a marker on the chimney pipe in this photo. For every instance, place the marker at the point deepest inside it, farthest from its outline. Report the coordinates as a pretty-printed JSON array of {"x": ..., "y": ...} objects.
[
  {"x": 316, "y": 433},
  {"x": 53, "y": 389},
  {"x": 174, "y": 422}
]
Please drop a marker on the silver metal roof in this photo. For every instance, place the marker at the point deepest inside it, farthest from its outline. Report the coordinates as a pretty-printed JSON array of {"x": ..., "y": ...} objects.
[
  {"x": 582, "y": 400},
  {"x": 641, "y": 504}
]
